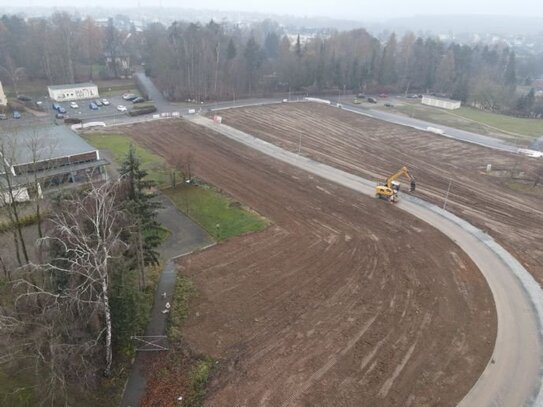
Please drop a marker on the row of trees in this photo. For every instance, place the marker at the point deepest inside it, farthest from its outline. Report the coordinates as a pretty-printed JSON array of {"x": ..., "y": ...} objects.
[
  {"x": 60, "y": 49},
  {"x": 223, "y": 61},
  {"x": 64, "y": 317},
  {"x": 218, "y": 62}
]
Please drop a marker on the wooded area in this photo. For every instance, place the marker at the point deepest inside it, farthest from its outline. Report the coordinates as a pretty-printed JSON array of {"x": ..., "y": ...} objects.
[
  {"x": 223, "y": 61},
  {"x": 69, "y": 307}
]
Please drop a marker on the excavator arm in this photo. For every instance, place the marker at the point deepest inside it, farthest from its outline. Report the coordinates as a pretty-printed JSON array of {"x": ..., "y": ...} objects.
[{"x": 402, "y": 172}]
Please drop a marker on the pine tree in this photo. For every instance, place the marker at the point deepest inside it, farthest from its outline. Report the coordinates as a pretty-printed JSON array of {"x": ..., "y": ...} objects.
[
  {"x": 141, "y": 204},
  {"x": 298, "y": 47},
  {"x": 510, "y": 76},
  {"x": 231, "y": 50}
]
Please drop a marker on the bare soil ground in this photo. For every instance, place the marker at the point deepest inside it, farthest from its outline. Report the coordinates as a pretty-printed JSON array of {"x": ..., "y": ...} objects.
[
  {"x": 343, "y": 301},
  {"x": 510, "y": 212}
]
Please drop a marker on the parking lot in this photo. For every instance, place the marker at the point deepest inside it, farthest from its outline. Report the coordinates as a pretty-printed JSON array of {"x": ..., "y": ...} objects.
[{"x": 85, "y": 113}]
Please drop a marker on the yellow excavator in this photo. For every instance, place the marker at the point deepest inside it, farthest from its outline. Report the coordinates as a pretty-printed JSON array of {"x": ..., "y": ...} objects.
[{"x": 390, "y": 188}]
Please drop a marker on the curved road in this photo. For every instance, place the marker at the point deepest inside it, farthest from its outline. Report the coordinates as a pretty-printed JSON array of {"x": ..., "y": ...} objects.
[{"x": 513, "y": 375}]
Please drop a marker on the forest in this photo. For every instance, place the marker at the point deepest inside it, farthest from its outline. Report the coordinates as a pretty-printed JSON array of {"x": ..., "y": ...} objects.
[{"x": 209, "y": 62}]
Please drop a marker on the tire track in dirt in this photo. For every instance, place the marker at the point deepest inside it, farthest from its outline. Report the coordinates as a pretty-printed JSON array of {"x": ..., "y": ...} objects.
[
  {"x": 374, "y": 149},
  {"x": 275, "y": 322}
]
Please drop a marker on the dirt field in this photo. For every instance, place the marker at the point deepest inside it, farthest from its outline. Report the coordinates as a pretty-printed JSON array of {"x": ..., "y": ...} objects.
[
  {"x": 510, "y": 212},
  {"x": 343, "y": 301}
]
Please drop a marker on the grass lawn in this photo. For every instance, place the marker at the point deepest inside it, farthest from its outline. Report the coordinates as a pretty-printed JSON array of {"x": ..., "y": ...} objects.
[
  {"x": 467, "y": 118},
  {"x": 515, "y": 125},
  {"x": 118, "y": 144},
  {"x": 209, "y": 208},
  {"x": 203, "y": 204}
]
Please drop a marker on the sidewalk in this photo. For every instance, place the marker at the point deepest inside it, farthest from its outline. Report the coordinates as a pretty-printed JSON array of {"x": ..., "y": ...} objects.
[{"x": 186, "y": 237}]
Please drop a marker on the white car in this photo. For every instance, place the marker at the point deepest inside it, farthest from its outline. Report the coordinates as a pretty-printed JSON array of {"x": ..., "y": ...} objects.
[
  {"x": 74, "y": 105},
  {"x": 105, "y": 102},
  {"x": 122, "y": 108}
]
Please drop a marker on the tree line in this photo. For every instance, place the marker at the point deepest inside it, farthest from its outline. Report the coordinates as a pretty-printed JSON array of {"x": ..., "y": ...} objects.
[{"x": 207, "y": 62}]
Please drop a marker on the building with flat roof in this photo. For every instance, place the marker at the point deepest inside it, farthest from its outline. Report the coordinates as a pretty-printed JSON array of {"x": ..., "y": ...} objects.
[
  {"x": 78, "y": 91},
  {"x": 51, "y": 155},
  {"x": 442, "y": 103}
]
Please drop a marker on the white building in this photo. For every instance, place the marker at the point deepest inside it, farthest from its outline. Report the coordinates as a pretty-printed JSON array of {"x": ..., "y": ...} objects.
[
  {"x": 63, "y": 93},
  {"x": 443, "y": 103},
  {"x": 3, "y": 98}
]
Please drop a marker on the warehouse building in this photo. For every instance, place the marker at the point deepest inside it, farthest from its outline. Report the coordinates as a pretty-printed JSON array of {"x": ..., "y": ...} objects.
[
  {"x": 442, "y": 103},
  {"x": 54, "y": 156},
  {"x": 78, "y": 91}
]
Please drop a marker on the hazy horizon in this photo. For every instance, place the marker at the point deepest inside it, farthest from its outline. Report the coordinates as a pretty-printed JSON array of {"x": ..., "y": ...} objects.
[{"x": 348, "y": 9}]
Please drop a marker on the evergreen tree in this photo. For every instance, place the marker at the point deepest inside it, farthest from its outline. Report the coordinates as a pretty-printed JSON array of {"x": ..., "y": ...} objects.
[
  {"x": 387, "y": 71},
  {"x": 141, "y": 204},
  {"x": 510, "y": 75},
  {"x": 231, "y": 50},
  {"x": 254, "y": 58},
  {"x": 271, "y": 45},
  {"x": 298, "y": 47}
]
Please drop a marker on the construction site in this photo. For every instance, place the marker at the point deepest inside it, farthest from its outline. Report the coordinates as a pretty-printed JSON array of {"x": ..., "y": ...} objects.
[{"x": 346, "y": 299}]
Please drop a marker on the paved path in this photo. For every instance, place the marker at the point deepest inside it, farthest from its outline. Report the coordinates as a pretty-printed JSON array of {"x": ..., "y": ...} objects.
[
  {"x": 513, "y": 376},
  {"x": 186, "y": 237}
]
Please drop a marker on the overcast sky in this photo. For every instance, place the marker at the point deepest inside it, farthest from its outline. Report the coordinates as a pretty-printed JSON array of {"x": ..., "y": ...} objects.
[{"x": 350, "y": 9}]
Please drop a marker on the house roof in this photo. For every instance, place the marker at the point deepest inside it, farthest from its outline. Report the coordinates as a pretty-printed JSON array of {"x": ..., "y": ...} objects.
[{"x": 72, "y": 86}]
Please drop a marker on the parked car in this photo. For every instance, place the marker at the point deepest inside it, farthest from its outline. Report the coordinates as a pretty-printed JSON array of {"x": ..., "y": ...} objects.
[
  {"x": 59, "y": 116},
  {"x": 138, "y": 99},
  {"x": 383, "y": 95},
  {"x": 16, "y": 114},
  {"x": 93, "y": 106},
  {"x": 389, "y": 105},
  {"x": 98, "y": 102},
  {"x": 372, "y": 100},
  {"x": 61, "y": 110},
  {"x": 24, "y": 98},
  {"x": 122, "y": 108},
  {"x": 361, "y": 96},
  {"x": 3, "y": 116},
  {"x": 74, "y": 105},
  {"x": 356, "y": 102},
  {"x": 56, "y": 106},
  {"x": 129, "y": 96},
  {"x": 105, "y": 102}
]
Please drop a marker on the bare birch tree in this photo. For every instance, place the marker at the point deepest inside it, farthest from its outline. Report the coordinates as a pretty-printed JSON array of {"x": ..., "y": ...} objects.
[{"x": 87, "y": 233}]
